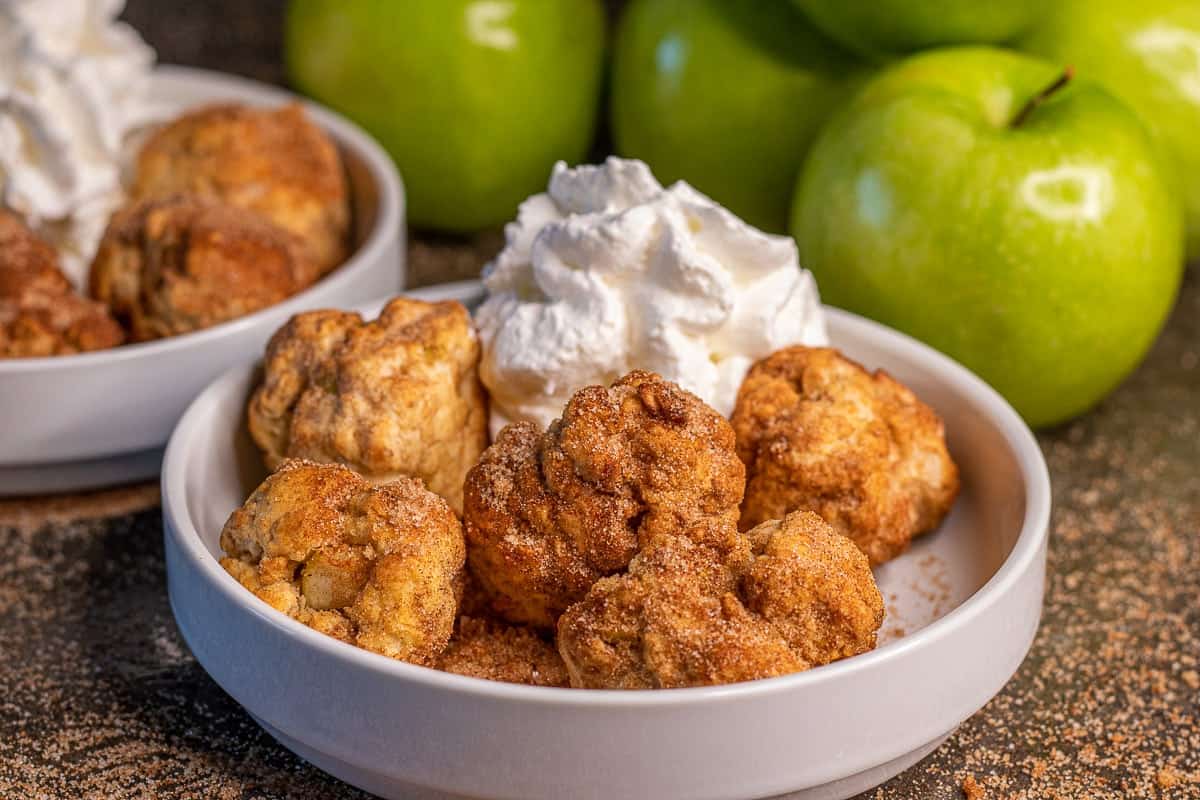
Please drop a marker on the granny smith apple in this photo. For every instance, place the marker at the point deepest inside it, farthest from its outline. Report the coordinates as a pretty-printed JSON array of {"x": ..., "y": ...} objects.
[
  {"x": 886, "y": 28},
  {"x": 474, "y": 99},
  {"x": 1148, "y": 54},
  {"x": 1014, "y": 218},
  {"x": 725, "y": 94}
]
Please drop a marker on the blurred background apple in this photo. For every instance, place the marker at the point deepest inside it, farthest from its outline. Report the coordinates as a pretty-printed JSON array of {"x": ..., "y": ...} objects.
[
  {"x": 1148, "y": 53},
  {"x": 727, "y": 95},
  {"x": 474, "y": 99},
  {"x": 884, "y": 28}
]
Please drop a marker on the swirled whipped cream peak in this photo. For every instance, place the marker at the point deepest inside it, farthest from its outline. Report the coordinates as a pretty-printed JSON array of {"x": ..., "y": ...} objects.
[
  {"x": 73, "y": 83},
  {"x": 608, "y": 271}
]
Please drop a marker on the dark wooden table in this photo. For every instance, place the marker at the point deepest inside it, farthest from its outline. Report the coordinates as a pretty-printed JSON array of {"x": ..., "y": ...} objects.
[{"x": 99, "y": 696}]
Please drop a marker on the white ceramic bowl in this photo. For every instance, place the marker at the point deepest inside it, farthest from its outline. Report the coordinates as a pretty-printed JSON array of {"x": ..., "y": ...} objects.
[
  {"x": 102, "y": 418},
  {"x": 963, "y": 607}
]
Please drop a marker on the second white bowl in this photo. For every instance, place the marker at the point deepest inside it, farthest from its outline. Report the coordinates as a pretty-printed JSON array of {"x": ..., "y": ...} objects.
[{"x": 102, "y": 418}]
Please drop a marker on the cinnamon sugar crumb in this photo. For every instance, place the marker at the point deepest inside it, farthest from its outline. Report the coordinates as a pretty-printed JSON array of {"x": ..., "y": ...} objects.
[{"x": 1168, "y": 778}]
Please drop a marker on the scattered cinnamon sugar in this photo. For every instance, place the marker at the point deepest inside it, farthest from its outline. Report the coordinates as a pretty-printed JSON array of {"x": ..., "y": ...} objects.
[
  {"x": 971, "y": 789},
  {"x": 1167, "y": 778},
  {"x": 934, "y": 585}
]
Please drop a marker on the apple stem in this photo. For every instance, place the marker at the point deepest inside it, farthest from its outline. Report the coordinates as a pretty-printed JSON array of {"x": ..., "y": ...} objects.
[{"x": 1042, "y": 97}]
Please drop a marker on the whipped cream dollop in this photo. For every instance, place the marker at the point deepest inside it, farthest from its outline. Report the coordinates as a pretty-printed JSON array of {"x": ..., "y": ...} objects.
[
  {"x": 73, "y": 85},
  {"x": 608, "y": 272}
]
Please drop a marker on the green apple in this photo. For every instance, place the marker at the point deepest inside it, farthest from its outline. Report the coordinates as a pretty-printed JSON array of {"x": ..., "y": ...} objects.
[
  {"x": 474, "y": 99},
  {"x": 1022, "y": 224},
  {"x": 725, "y": 94},
  {"x": 885, "y": 28},
  {"x": 1148, "y": 54}
]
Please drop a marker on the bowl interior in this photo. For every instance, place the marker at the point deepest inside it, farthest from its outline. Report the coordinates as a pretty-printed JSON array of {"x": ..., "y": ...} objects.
[
  {"x": 934, "y": 577},
  {"x": 364, "y": 199}
]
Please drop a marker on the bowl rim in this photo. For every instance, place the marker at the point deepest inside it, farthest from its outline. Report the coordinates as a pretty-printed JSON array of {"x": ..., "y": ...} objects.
[
  {"x": 348, "y": 136},
  {"x": 1023, "y": 557}
]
